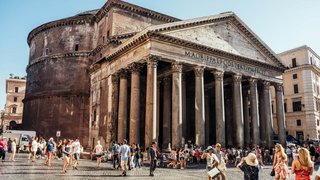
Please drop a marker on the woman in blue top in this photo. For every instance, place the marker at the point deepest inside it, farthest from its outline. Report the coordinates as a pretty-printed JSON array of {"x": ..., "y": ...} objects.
[{"x": 66, "y": 151}]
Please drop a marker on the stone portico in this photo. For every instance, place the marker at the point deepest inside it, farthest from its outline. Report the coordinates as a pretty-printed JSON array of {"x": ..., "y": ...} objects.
[{"x": 206, "y": 80}]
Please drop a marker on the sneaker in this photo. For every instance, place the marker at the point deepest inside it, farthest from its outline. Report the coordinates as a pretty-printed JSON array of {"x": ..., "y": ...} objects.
[{"x": 151, "y": 175}]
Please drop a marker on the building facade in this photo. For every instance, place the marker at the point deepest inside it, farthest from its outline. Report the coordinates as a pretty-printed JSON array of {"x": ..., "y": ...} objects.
[
  {"x": 149, "y": 77},
  {"x": 301, "y": 92},
  {"x": 15, "y": 91}
]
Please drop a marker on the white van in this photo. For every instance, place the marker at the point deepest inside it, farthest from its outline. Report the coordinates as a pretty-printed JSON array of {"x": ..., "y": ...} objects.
[{"x": 23, "y": 138}]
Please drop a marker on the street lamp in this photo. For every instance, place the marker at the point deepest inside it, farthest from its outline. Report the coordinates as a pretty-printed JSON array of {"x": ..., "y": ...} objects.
[{"x": 2, "y": 121}]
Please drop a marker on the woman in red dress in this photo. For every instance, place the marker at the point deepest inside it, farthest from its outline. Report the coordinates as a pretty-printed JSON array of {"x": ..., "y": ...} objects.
[{"x": 303, "y": 166}]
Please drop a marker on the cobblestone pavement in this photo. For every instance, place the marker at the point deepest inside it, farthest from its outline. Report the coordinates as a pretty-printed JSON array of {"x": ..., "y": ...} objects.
[{"x": 26, "y": 170}]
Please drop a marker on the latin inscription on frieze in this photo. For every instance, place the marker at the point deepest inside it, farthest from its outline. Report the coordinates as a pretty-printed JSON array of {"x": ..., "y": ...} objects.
[{"x": 224, "y": 63}]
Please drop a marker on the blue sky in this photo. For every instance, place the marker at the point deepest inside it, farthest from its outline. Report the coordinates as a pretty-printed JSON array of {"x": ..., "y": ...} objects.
[{"x": 282, "y": 24}]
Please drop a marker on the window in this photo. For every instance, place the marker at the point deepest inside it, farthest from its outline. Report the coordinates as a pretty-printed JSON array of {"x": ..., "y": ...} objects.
[
  {"x": 15, "y": 99},
  {"x": 318, "y": 122},
  {"x": 16, "y": 89},
  {"x": 285, "y": 107},
  {"x": 298, "y": 122},
  {"x": 294, "y": 62},
  {"x": 76, "y": 47},
  {"x": 272, "y": 109},
  {"x": 47, "y": 51},
  {"x": 299, "y": 135},
  {"x": 296, "y": 89},
  {"x": 294, "y": 76},
  {"x": 108, "y": 34},
  {"x": 296, "y": 105},
  {"x": 310, "y": 60},
  {"x": 14, "y": 110}
]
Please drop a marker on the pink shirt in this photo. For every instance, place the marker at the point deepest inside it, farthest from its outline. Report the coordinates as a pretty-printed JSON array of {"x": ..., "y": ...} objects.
[{"x": 3, "y": 144}]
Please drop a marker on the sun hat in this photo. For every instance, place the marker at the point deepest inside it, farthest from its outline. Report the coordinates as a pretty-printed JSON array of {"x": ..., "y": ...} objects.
[
  {"x": 251, "y": 159},
  {"x": 209, "y": 147}
]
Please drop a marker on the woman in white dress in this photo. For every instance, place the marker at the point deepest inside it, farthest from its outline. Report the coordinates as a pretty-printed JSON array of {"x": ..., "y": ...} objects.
[{"x": 13, "y": 149}]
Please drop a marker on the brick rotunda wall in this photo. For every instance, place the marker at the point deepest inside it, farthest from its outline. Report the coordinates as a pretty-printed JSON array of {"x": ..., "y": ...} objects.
[{"x": 57, "y": 94}]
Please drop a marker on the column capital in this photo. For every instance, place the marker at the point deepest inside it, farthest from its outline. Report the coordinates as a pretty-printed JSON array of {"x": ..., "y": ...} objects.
[
  {"x": 218, "y": 75},
  {"x": 253, "y": 82},
  {"x": 198, "y": 71},
  {"x": 115, "y": 78},
  {"x": 176, "y": 67},
  {"x": 237, "y": 78},
  {"x": 152, "y": 61},
  {"x": 278, "y": 87},
  {"x": 266, "y": 85},
  {"x": 135, "y": 67},
  {"x": 123, "y": 73}
]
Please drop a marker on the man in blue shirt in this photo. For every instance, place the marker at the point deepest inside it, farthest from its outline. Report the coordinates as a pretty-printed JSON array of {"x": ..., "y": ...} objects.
[
  {"x": 124, "y": 153},
  {"x": 115, "y": 150},
  {"x": 49, "y": 150}
]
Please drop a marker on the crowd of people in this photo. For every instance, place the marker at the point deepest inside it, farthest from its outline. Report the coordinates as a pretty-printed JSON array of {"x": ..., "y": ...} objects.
[{"x": 127, "y": 157}]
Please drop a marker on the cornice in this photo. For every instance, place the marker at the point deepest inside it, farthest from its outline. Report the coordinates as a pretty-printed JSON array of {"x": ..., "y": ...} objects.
[
  {"x": 305, "y": 67},
  {"x": 56, "y": 56},
  {"x": 55, "y": 94},
  {"x": 133, "y": 8},
  {"x": 75, "y": 20},
  {"x": 113, "y": 39}
]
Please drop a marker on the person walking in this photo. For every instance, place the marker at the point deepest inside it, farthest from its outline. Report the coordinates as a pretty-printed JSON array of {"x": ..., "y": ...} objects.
[
  {"x": 154, "y": 153},
  {"x": 182, "y": 159},
  {"x": 13, "y": 149},
  {"x": 50, "y": 145},
  {"x": 222, "y": 160},
  {"x": 66, "y": 151},
  {"x": 98, "y": 150},
  {"x": 115, "y": 151},
  {"x": 125, "y": 154},
  {"x": 137, "y": 159},
  {"x": 211, "y": 158},
  {"x": 280, "y": 163},
  {"x": 3, "y": 148},
  {"x": 76, "y": 152},
  {"x": 250, "y": 166},
  {"x": 303, "y": 166},
  {"x": 34, "y": 148}
]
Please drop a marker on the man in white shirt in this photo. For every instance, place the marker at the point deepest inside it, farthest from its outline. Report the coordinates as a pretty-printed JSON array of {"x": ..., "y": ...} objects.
[
  {"x": 125, "y": 153},
  {"x": 76, "y": 150}
]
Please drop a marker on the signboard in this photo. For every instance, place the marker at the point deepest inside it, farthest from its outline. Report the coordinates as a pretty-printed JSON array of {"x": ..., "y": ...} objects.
[{"x": 58, "y": 133}]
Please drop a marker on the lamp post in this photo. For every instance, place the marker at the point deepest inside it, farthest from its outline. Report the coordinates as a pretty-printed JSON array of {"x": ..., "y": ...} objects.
[{"x": 2, "y": 120}]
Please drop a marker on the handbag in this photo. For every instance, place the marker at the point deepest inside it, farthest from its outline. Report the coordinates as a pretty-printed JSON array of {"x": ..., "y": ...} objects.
[
  {"x": 273, "y": 173},
  {"x": 213, "y": 172}
]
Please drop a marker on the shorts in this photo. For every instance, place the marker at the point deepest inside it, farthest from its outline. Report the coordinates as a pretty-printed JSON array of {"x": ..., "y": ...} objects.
[
  {"x": 181, "y": 158},
  {"x": 99, "y": 155},
  {"x": 49, "y": 155},
  {"x": 64, "y": 155},
  {"x": 76, "y": 156}
]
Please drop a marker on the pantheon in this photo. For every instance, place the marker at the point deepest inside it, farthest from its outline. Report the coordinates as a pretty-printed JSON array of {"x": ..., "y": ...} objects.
[{"x": 127, "y": 72}]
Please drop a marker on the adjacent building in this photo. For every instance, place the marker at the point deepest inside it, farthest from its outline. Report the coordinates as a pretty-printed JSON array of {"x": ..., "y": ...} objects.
[
  {"x": 15, "y": 91},
  {"x": 301, "y": 92},
  {"x": 124, "y": 71}
]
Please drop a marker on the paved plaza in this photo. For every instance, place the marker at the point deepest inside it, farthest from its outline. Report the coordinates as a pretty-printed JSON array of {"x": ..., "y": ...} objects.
[{"x": 26, "y": 170}]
